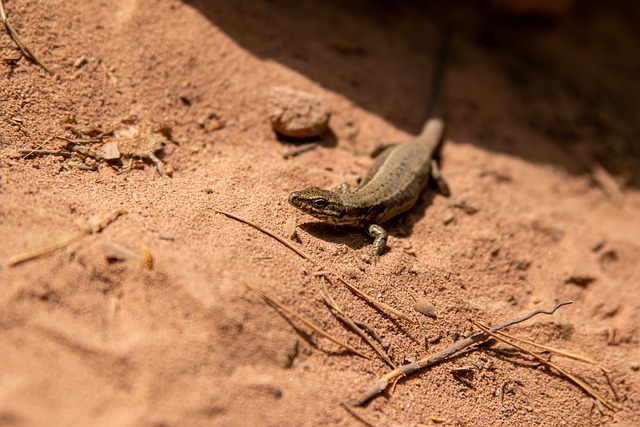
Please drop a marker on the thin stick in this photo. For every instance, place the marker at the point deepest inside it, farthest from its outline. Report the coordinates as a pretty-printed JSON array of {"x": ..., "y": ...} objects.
[
  {"x": 80, "y": 140},
  {"x": 383, "y": 382},
  {"x": 557, "y": 351},
  {"x": 304, "y": 320},
  {"x": 356, "y": 415},
  {"x": 337, "y": 311},
  {"x": 38, "y": 148},
  {"x": 351, "y": 287},
  {"x": 16, "y": 38},
  {"x": 586, "y": 387},
  {"x": 92, "y": 228},
  {"x": 36, "y": 152},
  {"x": 363, "y": 325},
  {"x": 268, "y": 233}
]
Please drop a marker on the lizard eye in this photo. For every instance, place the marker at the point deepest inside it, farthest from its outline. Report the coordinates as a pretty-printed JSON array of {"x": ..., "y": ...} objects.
[{"x": 320, "y": 203}]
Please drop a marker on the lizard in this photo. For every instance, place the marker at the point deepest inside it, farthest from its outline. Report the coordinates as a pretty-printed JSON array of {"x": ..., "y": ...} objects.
[{"x": 391, "y": 186}]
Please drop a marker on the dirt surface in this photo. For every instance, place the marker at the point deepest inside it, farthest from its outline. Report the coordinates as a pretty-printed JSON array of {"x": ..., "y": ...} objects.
[{"x": 89, "y": 335}]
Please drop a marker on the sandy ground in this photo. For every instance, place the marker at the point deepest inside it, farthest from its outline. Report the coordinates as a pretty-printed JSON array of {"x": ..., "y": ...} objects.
[{"x": 90, "y": 336}]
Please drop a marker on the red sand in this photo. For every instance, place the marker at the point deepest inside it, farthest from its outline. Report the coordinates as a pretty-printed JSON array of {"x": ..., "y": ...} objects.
[{"x": 89, "y": 340}]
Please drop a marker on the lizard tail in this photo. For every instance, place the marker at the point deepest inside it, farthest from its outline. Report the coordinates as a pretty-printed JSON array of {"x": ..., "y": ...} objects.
[{"x": 436, "y": 109}]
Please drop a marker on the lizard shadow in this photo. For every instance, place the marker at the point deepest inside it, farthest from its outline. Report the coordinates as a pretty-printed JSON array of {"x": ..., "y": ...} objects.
[{"x": 353, "y": 237}]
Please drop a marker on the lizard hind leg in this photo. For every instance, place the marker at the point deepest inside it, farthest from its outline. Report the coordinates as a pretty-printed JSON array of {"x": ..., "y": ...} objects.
[
  {"x": 379, "y": 243},
  {"x": 443, "y": 187}
]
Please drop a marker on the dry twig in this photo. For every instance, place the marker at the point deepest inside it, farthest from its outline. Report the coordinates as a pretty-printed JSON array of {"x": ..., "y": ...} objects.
[
  {"x": 367, "y": 327},
  {"x": 39, "y": 147},
  {"x": 36, "y": 152},
  {"x": 304, "y": 320},
  {"x": 16, "y": 38},
  {"x": 351, "y": 287},
  {"x": 94, "y": 227},
  {"x": 337, "y": 311},
  {"x": 557, "y": 351},
  {"x": 393, "y": 376},
  {"x": 582, "y": 384}
]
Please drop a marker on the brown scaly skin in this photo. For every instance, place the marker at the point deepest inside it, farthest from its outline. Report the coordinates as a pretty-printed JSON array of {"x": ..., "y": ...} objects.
[{"x": 392, "y": 186}]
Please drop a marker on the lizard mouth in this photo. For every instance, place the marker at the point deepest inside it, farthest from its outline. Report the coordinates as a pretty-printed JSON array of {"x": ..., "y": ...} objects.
[{"x": 298, "y": 201}]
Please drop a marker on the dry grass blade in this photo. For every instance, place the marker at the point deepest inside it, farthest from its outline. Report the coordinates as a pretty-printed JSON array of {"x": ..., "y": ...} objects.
[
  {"x": 347, "y": 320},
  {"x": 352, "y": 288},
  {"x": 586, "y": 387},
  {"x": 608, "y": 184},
  {"x": 557, "y": 351},
  {"x": 94, "y": 227},
  {"x": 357, "y": 416},
  {"x": 304, "y": 320},
  {"x": 268, "y": 233},
  {"x": 373, "y": 301},
  {"x": 16, "y": 38},
  {"x": 27, "y": 153},
  {"x": 35, "y": 152}
]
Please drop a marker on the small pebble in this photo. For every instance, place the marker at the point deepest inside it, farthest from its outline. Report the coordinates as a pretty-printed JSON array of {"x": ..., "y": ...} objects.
[
  {"x": 290, "y": 228},
  {"x": 146, "y": 257},
  {"x": 80, "y": 62},
  {"x": 350, "y": 272},
  {"x": 425, "y": 307},
  {"x": 297, "y": 114},
  {"x": 110, "y": 151}
]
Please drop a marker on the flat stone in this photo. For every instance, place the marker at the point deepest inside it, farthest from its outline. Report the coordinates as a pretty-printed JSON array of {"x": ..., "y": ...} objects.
[
  {"x": 110, "y": 151},
  {"x": 297, "y": 114}
]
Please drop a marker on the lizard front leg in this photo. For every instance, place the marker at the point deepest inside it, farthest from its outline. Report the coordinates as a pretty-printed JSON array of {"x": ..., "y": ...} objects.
[{"x": 380, "y": 241}]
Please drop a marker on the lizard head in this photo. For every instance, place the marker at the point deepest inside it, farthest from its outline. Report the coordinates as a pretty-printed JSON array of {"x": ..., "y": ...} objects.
[{"x": 325, "y": 205}]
